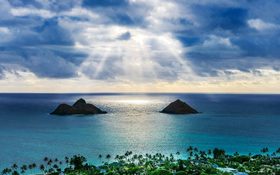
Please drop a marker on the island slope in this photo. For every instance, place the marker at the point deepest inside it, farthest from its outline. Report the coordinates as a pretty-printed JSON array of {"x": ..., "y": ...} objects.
[
  {"x": 179, "y": 107},
  {"x": 79, "y": 107}
]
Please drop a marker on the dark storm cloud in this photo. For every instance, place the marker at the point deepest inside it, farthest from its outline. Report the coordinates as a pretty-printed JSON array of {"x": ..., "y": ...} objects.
[
  {"x": 105, "y": 3},
  {"x": 214, "y": 18},
  {"x": 55, "y": 5},
  {"x": 38, "y": 44},
  {"x": 246, "y": 48}
]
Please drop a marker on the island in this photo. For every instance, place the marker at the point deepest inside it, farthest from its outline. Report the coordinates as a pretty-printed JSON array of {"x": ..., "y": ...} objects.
[
  {"x": 179, "y": 107},
  {"x": 79, "y": 107}
]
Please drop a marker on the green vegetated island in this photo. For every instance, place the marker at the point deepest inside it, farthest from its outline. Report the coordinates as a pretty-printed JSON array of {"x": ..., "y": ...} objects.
[{"x": 211, "y": 162}]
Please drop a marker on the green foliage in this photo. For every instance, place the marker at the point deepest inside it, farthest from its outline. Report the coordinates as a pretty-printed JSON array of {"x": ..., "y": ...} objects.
[
  {"x": 161, "y": 172},
  {"x": 240, "y": 159},
  {"x": 181, "y": 173},
  {"x": 218, "y": 153},
  {"x": 198, "y": 163},
  {"x": 78, "y": 161}
]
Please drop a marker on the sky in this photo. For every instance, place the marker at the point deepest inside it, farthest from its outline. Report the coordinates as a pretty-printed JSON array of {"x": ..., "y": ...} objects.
[{"x": 209, "y": 46}]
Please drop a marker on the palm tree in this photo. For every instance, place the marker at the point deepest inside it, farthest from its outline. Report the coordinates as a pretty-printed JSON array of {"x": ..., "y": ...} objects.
[
  {"x": 190, "y": 151},
  {"x": 51, "y": 170},
  {"x": 209, "y": 152},
  {"x": 42, "y": 167},
  {"x": 126, "y": 153},
  {"x": 30, "y": 166},
  {"x": 34, "y": 165},
  {"x": 15, "y": 173},
  {"x": 6, "y": 171},
  {"x": 202, "y": 154},
  {"x": 23, "y": 169},
  {"x": 14, "y": 166},
  {"x": 191, "y": 154},
  {"x": 78, "y": 162},
  {"x": 66, "y": 160},
  {"x": 108, "y": 156},
  {"x": 190, "y": 148},
  {"x": 264, "y": 150},
  {"x": 55, "y": 166},
  {"x": 50, "y": 162},
  {"x": 218, "y": 153},
  {"x": 196, "y": 156},
  {"x": 278, "y": 151}
]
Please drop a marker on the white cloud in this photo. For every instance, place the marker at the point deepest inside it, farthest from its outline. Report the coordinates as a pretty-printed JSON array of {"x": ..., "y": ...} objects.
[
  {"x": 82, "y": 13},
  {"x": 166, "y": 16},
  {"x": 151, "y": 52},
  {"x": 215, "y": 41},
  {"x": 146, "y": 56},
  {"x": 261, "y": 25},
  {"x": 4, "y": 30},
  {"x": 23, "y": 11},
  {"x": 237, "y": 82},
  {"x": 5, "y": 34}
]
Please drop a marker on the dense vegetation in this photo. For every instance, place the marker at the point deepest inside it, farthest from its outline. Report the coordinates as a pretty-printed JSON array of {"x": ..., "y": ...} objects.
[{"x": 215, "y": 162}]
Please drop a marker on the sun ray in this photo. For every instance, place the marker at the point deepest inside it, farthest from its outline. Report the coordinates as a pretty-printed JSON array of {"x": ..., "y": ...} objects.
[{"x": 102, "y": 62}]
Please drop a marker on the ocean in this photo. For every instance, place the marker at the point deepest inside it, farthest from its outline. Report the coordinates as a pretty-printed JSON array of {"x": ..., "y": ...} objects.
[{"x": 234, "y": 122}]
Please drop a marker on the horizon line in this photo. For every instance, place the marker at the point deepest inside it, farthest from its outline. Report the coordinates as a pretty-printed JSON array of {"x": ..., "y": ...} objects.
[{"x": 229, "y": 93}]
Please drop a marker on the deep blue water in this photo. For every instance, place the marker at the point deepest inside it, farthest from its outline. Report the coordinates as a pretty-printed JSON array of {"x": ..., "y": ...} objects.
[{"x": 244, "y": 123}]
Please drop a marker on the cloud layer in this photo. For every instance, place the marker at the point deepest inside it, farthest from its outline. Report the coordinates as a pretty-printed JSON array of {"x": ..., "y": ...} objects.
[{"x": 138, "y": 42}]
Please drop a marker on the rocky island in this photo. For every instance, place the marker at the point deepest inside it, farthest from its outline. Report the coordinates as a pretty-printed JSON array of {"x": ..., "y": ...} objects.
[
  {"x": 179, "y": 107},
  {"x": 79, "y": 107}
]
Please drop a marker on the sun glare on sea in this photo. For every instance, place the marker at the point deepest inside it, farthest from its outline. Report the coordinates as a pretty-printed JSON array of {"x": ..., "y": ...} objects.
[{"x": 135, "y": 101}]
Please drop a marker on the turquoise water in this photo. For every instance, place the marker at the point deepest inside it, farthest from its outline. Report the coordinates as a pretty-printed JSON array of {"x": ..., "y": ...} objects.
[{"x": 244, "y": 123}]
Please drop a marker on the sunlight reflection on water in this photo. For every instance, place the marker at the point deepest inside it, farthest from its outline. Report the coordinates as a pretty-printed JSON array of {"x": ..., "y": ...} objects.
[{"x": 135, "y": 101}]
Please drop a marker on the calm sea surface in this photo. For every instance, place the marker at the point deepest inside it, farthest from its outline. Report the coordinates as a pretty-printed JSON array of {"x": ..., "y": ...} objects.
[{"x": 244, "y": 123}]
